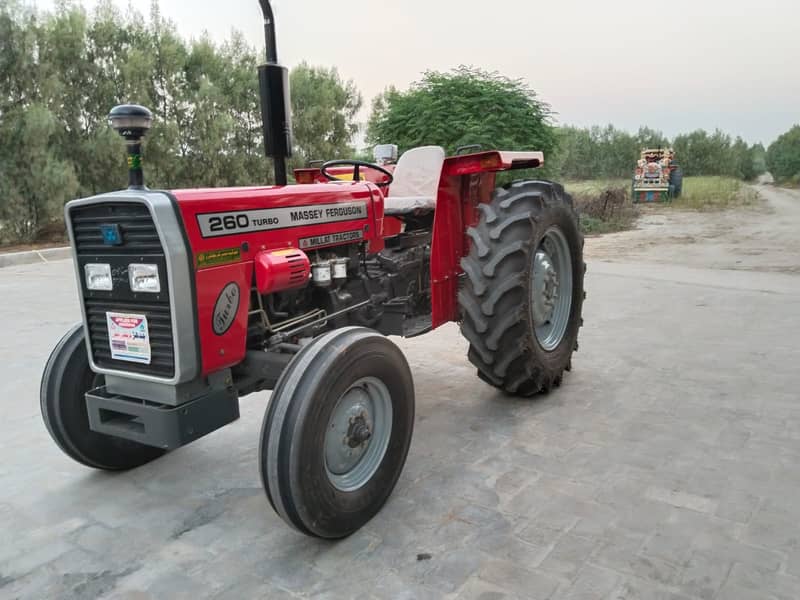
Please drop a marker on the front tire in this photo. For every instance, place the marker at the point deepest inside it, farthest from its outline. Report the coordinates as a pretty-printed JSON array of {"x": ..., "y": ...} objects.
[
  {"x": 523, "y": 292},
  {"x": 66, "y": 379},
  {"x": 337, "y": 431}
]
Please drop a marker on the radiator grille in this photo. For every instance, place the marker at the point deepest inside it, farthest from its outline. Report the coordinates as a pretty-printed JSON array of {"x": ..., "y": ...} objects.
[
  {"x": 159, "y": 324},
  {"x": 139, "y": 242},
  {"x": 139, "y": 235}
]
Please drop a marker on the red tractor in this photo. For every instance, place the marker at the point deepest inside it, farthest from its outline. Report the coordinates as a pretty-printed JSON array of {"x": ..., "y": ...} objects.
[{"x": 194, "y": 298}]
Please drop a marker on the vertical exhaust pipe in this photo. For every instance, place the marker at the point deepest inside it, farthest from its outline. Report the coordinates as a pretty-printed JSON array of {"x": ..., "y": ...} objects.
[
  {"x": 269, "y": 32},
  {"x": 276, "y": 116}
]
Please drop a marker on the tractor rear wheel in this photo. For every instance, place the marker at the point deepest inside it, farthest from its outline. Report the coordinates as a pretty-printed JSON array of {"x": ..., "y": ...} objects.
[
  {"x": 66, "y": 379},
  {"x": 337, "y": 431},
  {"x": 523, "y": 292}
]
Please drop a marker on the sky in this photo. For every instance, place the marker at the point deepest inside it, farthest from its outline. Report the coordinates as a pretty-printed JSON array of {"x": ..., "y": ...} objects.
[{"x": 676, "y": 65}]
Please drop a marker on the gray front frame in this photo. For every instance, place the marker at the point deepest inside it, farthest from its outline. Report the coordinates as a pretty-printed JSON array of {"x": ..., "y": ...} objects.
[{"x": 179, "y": 276}]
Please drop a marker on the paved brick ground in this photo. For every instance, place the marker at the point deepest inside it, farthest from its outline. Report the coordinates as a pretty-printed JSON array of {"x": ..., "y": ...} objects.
[{"x": 665, "y": 467}]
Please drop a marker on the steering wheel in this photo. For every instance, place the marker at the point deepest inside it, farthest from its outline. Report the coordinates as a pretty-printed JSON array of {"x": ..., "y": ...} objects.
[{"x": 357, "y": 165}]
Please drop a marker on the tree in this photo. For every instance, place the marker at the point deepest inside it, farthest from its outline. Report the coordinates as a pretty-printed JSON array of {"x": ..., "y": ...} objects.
[
  {"x": 748, "y": 161},
  {"x": 602, "y": 152},
  {"x": 62, "y": 71},
  {"x": 324, "y": 109},
  {"x": 700, "y": 153},
  {"x": 377, "y": 111},
  {"x": 461, "y": 107},
  {"x": 759, "y": 156},
  {"x": 34, "y": 181},
  {"x": 783, "y": 156},
  {"x": 19, "y": 83},
  {"x": 650, "y": 138}
]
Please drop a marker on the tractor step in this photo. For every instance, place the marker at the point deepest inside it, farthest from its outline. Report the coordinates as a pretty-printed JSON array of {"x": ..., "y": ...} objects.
[
  {"x": 159, "y": 425},
  {"x": 414, "y": 326},
  {"x": 397, "y": 319}
]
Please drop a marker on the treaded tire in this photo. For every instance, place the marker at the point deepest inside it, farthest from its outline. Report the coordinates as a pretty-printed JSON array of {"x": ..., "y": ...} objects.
[
  {"x": 66, "y": 379},
  {"x": 495, "y": 299},
  {"x": 676, "y": 180},
  {"x": 292, "y": 446}
]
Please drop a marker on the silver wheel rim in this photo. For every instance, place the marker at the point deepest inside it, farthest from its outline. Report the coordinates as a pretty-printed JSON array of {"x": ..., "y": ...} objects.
[
  {"x": 358, "y": 434},
  {"x": 551, "y": 292}
]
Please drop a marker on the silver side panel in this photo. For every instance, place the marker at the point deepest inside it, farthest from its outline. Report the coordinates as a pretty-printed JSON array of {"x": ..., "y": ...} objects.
[{"x": 179, "y": 274}]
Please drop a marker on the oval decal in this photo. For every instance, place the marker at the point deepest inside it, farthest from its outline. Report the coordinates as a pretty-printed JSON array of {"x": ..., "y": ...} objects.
[{"x": 226, "y": 308}]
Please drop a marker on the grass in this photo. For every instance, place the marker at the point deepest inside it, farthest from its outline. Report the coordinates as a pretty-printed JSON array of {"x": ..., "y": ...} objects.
[
  {"x": 714, "y": 193},
  {"x": 605, "y": 204}
]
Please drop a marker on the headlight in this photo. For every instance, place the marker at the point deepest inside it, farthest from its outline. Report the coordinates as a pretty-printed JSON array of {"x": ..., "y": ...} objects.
[
  {"x": 144, "y": 278},
  {"x": 98, "y": 277}
]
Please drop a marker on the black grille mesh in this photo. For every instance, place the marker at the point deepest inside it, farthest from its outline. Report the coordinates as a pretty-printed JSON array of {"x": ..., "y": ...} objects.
[
  {"x": 139, "y": 237},
  {"x": 139, "y": 233}
]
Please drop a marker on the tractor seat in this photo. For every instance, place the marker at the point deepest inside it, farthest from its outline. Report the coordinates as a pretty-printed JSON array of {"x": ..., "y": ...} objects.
[{"x": 416, "y": 181}]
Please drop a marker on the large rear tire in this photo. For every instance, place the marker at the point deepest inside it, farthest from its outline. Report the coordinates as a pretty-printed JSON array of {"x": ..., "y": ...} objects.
[
  {"x": 523, "y": 292},
  {"x": 676, "y": 181},
  {"x": 337, "y": 431},
  {"x": 66, "y": 379}
]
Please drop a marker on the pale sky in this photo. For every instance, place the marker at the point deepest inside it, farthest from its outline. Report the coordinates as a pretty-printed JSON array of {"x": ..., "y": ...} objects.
[{"x": 676, "y": 65}]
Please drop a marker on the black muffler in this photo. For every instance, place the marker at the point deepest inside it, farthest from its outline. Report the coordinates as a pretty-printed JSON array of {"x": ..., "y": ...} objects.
[{"x": 276, "y": 107}]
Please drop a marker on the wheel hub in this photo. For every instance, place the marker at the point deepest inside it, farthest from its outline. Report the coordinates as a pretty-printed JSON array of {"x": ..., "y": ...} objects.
[
  {"x": 551, "y": 289},
  {"x": 348, "y": 432},
  {"x": 358, "y": 434},
  {"x": 545, "y": 282}
]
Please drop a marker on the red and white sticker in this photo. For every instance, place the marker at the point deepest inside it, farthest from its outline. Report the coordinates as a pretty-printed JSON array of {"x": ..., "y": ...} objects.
[{"x": 128, "y": 337}]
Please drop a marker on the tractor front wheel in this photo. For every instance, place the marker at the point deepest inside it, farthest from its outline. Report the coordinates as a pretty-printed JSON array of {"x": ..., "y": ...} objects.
[
  {"x": 523, "y": 292},
  {"x": 66, "y": 379},
  {"x": 337, "y": 431}
]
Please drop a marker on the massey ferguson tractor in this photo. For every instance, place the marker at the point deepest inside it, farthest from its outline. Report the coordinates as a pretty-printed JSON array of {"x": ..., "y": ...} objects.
[
  {"x": 657, "y": 178},
  {"x": 192, "y": 299}
]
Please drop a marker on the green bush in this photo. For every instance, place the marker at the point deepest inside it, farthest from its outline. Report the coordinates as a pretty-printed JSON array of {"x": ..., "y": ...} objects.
[
  {"x": 783, "y": 156},
  {"x": 603, "y": 208}
]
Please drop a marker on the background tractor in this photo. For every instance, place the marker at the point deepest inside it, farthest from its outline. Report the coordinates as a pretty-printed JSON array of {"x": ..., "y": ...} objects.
[
  {"x": 657, "y": 178},
  {"x": 192, "y": 299}
]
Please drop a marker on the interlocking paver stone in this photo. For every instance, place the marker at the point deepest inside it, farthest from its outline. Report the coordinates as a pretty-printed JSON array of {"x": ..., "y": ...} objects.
[{"x": 659, "y": 470}]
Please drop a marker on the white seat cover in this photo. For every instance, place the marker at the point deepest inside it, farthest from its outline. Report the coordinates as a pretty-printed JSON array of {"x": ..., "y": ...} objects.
[{"x": 416, "y": 180}]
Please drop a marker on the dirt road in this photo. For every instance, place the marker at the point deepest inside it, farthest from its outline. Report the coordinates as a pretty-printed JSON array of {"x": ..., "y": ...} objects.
[{"x": 764, "y": 237}]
